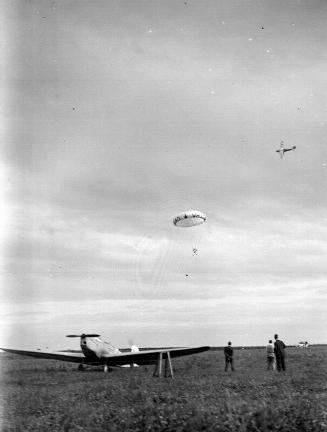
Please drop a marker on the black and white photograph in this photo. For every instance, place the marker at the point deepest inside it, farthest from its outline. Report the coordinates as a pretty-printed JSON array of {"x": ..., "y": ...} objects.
[{"x": 163, "y": 233}]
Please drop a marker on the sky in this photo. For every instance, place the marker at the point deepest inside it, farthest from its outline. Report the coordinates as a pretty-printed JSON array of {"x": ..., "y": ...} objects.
[{"x": 119, "y": 115}]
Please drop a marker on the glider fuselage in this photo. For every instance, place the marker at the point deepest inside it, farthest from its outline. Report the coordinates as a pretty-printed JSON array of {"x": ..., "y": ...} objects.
[{"x": 94, "y": 349}]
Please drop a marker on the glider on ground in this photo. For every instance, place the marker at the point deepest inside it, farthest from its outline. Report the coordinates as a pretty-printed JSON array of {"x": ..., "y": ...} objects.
[
  {"x": 96, "y": 352},
  {"x": 283, "y": 150}
]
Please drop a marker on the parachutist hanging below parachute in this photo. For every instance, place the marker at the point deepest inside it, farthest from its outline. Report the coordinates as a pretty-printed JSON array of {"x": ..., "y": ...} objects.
[{"x": 283, "y": 150}]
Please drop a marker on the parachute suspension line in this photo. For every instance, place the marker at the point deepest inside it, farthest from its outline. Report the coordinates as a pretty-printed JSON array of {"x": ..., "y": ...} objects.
[{"x": 162, "y": 262}]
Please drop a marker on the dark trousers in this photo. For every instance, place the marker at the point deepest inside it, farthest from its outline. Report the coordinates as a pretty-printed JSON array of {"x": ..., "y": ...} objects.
[
  {"x": 280, "y": 362},
  {"x": 229, "y": 360}
]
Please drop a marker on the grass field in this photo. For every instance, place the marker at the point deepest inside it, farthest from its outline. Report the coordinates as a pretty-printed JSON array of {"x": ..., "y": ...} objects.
[{"x": 43, "y": 395}]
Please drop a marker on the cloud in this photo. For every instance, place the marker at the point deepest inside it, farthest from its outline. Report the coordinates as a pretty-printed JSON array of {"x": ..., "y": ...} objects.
[
  {"x": 180, "y": 322},
  {"x": 111, "y": 131}
]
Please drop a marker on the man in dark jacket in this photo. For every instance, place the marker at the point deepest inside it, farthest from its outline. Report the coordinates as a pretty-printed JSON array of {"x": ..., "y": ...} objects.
[
  {"x": 279, "y": 348},
  {"x": 228, "y": 351}
]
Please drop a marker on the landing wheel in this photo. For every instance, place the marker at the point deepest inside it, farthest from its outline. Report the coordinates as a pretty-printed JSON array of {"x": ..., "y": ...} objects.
[{"x": 81, "y": 367}]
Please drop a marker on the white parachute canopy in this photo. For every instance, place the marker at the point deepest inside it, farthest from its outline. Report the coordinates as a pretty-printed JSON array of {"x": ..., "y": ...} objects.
[{"x": 189, "y": 218}]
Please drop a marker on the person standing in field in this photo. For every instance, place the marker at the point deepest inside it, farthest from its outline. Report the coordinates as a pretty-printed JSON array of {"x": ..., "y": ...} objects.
[
  {"x": 228, "y": 351},
  {"x": 270, "y": 356},
  {"x": 279, "y": 350}
]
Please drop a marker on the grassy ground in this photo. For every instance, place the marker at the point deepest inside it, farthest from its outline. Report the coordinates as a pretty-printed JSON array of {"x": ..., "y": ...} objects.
[{"x": 42, "y": 395}]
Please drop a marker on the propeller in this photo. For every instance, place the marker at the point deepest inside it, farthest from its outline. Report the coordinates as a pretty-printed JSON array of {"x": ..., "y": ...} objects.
[{"x": 83, "y": 335}]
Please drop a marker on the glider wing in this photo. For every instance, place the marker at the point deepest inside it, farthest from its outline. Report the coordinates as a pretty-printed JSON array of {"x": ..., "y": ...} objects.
[
  {"x": 141, "y": 357},
  {"x": 151, "y": 356},
  {"x": 69, "y": 357}
]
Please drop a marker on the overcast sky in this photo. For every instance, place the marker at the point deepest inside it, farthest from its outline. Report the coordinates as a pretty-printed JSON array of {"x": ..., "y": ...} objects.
[{"x": 118, "y": 115}]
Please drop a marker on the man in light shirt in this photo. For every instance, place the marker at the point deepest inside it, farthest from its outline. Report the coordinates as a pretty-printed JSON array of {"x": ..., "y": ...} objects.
[{"x": 270, "y": 356}]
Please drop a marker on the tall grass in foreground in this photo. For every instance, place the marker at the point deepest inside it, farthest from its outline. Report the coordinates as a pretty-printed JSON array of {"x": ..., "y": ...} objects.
[{"x": 44, "y": 395}]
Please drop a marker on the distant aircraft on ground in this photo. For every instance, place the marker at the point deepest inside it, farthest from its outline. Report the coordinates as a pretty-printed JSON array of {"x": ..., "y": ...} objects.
[
  {"x": 283, "y": 150},
  {"x": 303, "y": 344},
  {"x": 96, "y": 352}
]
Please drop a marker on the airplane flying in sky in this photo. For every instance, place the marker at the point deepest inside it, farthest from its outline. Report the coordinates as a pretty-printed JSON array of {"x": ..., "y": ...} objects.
[
  {"x": 283, "y": 150},
  {"x": 96, "y": 352}
]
